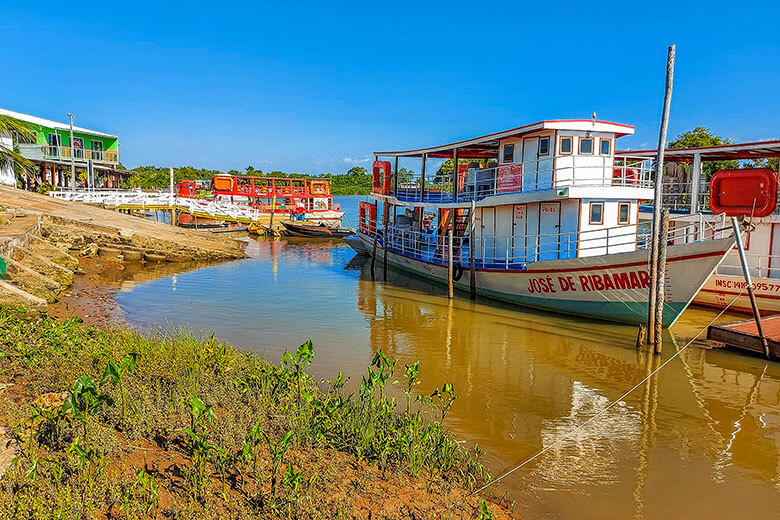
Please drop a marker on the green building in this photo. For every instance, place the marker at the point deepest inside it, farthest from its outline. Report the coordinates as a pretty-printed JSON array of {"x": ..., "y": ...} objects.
[{"x": 54, "y": 155}]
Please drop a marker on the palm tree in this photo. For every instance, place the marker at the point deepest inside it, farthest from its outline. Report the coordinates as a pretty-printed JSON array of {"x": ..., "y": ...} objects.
[{"x": 19, "y": 133}]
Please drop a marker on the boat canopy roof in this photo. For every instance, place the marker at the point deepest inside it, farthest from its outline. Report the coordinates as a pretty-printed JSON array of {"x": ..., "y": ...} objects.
[
  {"x": 487, "y": 146},
  {"x": 756, "y": 150}
]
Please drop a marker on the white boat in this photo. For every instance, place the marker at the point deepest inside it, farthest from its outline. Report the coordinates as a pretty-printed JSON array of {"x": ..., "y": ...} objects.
[
  {"x": 686, "y": 195},
  {"x": 555, "y": 222}
]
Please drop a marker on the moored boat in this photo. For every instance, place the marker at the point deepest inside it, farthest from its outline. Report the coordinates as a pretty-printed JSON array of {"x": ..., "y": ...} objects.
[
  {"x": 697, "y": 209},
  {"x": 544, "y": 215},
  {"x": 311, "y": 230}
]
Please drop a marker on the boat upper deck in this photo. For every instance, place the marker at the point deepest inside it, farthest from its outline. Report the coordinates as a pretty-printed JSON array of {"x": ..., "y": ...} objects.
[{"x": 542, "y": 161}]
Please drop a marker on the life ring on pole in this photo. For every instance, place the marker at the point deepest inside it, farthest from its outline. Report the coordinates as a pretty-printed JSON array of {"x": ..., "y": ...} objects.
[
  {"x": 380, "y": 177},
  {"x": 457, "y": 272}
]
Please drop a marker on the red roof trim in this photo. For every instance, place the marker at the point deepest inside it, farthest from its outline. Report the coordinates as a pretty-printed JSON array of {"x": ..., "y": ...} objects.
[
  {"x": 505, "y": 133},
  {"x": 724, "y": 147}
]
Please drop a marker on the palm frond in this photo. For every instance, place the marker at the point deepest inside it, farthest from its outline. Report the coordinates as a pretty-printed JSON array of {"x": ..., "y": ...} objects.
[{"x": 19, "y": 130}]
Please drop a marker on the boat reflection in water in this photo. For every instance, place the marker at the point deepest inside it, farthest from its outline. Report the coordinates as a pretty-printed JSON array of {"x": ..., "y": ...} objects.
[{"x": 702, "y": 438}]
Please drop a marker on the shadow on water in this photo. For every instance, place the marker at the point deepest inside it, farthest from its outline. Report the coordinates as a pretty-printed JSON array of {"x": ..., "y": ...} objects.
[{"x": 701, "y": 439}]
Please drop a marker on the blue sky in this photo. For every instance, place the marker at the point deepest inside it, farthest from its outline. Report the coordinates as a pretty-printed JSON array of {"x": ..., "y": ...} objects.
[{"x": 316, "y": 87}]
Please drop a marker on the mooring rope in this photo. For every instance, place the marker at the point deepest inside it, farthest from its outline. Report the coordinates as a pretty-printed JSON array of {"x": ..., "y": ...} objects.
[{"x": 603, "y": 410}]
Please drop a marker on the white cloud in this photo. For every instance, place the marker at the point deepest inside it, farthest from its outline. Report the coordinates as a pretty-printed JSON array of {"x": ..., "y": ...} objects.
[{"x": 356, "y": 160}]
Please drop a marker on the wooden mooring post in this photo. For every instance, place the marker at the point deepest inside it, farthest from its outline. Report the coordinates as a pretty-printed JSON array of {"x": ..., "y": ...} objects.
[
  {"x": 660, "y": 294},
  {"x": 655, "y": 305},
  {"x": 472, "y": 245},
  {"x": 373, "y": 248},
  {"x": 450, "y": 234},
  {"x": 385, "y": 218}
]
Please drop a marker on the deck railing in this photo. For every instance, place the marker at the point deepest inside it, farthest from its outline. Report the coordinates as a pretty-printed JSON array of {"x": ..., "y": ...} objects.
[
  {"x": 516, "y": 252},
  {"x": 64, "y": 153},
  {"x": 545, "y": 173}
]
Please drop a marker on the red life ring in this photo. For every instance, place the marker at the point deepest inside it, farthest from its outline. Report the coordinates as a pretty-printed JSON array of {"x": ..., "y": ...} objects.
[{"x": 380, "y": 178}]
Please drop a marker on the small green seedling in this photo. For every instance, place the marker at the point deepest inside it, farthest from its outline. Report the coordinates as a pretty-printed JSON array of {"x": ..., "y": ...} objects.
[{"x": 116, "y": 372}]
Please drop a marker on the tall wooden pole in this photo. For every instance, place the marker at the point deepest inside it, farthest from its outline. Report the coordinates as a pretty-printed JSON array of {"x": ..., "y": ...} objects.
[
  {"x": 659, "y": 295},
  {"x": 385, "y": 241},
  {"x": 472, "y": 245},
  {"x": 656, "y": 274},
  {"x": 749, "y": 285},
  {"x": 376, "y": 232},
  {"x": 450, "y": 234}
]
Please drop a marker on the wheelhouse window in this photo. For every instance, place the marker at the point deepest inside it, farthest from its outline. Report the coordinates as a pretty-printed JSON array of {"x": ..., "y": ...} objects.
[
  {"x": 624, "y": 213},
  {"x": 566, "y": 145},
  {"x": 596, "y": 213},
  {"x": 605, "y": 146},
  {"x": 509, "y": 153},
  {"x": 544, "y": 146},
  {"x": 586, "y": 146}
]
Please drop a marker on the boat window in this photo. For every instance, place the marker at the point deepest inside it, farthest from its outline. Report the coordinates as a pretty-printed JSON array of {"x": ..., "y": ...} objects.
[
  {"x": 586, "y": 145},
  {"x": 596, "y": 213},
  {"x": 624, "y": 209},
  {"x": 605, "y": 146},
  {"x": 565, "y": 145},
  {"x": 509, "y": 153},
  {"x": 544, "y": 146}
]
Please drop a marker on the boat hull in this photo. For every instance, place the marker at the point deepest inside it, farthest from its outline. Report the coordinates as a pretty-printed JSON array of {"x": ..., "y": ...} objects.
[
  {"x": 300, "y": 230},
  {"x": 611, "y": 287},
  {"x": 721, "y": 289}
]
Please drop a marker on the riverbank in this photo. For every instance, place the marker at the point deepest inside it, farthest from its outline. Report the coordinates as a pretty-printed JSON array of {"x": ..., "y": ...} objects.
[{"x": 110, "y": 422}]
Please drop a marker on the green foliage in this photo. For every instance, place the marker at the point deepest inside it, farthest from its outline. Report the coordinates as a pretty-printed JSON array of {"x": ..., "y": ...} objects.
[
  {"x": 702, "y": 136},
  {"x": 271, "y": 420},
  {"x": 357, "y": 181},
  {"x": 115, "y": 373}
]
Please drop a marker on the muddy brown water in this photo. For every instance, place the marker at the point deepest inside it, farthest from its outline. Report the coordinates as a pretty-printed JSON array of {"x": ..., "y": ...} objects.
[{"x": 700, "y": 440}]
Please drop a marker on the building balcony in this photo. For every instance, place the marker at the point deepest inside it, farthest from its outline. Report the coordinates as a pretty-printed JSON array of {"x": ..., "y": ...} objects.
[{"x": 36, "y": 152}]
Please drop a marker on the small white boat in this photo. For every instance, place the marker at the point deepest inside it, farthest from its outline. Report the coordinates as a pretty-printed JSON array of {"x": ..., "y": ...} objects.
[{"x": 544, "y": 215}]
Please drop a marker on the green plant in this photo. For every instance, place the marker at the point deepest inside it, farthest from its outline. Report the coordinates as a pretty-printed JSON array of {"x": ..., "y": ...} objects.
[
  {"x": 143, "y": 494},
  {"x": 84, "y": 400},
  {"x": 198, "y": 445},
  {"x": 292, "y": 479},
  {"x": 446, "y": 396},
  {"x": 411, "y": 372},
  {"x": 277, "y": 450},
  {"x": 115, "y": 372},
  {"x": 484, "y": 514}
]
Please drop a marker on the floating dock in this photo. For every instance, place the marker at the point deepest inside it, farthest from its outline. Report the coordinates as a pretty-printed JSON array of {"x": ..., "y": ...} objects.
[{"x": 743, "y": 335}]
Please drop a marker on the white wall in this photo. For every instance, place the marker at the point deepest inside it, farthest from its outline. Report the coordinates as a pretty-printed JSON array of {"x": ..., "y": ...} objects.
[
  {"x": 7, "y": 175},
  {"x": 594, "y": 238}
]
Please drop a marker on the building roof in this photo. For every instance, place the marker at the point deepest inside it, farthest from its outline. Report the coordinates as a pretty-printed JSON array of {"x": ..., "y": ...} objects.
[
  {"x": 725, "y": 152},
  {"x": 486, "y": 146},
  {"x": 52, "y": 124}
]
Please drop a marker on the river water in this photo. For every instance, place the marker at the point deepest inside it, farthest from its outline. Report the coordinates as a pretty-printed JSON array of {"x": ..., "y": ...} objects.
[{"x": 700, "y": 440}]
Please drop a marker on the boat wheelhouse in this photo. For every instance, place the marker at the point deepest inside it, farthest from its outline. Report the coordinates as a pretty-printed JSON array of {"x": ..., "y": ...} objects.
[{"x": 543, "y": 215}]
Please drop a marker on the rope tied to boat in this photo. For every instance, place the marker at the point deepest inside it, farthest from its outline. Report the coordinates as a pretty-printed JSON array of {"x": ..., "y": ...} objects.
[{"x": 606, "y": 408}]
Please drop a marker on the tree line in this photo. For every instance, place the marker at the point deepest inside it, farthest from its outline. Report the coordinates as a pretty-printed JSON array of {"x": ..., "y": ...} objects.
[{"x": 357, "y": 180}]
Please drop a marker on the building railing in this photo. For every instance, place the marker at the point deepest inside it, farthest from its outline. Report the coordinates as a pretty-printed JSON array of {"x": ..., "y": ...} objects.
[
  {"x": 543, "y": 174},
  {"x": 516, "y": 252},
  {"x": 80, "y": 155}
]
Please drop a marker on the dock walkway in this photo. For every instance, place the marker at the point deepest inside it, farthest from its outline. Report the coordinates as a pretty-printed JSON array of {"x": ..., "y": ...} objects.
[{"x": 743, "y": 335}]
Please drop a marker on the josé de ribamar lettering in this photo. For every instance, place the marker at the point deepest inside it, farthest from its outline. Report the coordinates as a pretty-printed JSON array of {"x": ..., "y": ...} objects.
[{"x": 589, "y": 282}]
